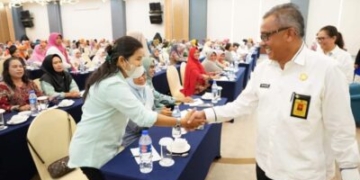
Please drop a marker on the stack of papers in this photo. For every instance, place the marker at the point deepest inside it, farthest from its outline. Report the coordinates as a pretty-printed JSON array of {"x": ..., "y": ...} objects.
[{"x": 196, "y": 102}]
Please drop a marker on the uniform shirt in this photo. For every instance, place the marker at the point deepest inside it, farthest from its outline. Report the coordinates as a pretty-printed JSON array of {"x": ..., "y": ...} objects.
[
  {"x": 345, "y": 61},
  {"x": 292, "y": 148},
  {"x": 106, "y": 111}
]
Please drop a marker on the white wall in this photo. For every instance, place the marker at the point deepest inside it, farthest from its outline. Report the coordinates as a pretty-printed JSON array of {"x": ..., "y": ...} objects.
[
  {"x": 88, "y": 19},
  {"x": 41, "y": 28},
  {"x": 349, "y": 25},
  {"x": 137, "y": 18},
  {"x": 339, "y": 13},
  {"x": 237, "y": 19}
]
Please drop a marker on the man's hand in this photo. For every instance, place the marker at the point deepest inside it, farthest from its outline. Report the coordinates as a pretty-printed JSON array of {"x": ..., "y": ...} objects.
[{"x": 193, "y": 119}]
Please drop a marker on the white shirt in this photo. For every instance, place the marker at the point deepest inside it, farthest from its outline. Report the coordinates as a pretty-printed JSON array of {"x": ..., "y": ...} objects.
[
  {"x": 345, "y": 61},
  {"x": 291, "y": 148}
]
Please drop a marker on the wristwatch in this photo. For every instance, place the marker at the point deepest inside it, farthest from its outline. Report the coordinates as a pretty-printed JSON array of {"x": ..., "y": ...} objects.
[{"x": 178, "y": 122}]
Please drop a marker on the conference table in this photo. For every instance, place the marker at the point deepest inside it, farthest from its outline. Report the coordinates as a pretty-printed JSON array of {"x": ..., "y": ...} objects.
[
  {"x": 232, "y": 88},
  {"x": 15, "y": 160},
  {"x": 249, "y": 66},
  {"x": 205, "y": 147}
]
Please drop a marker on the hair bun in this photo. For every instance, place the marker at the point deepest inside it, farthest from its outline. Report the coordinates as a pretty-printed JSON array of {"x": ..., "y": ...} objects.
[{"x": 108, "y": 49}]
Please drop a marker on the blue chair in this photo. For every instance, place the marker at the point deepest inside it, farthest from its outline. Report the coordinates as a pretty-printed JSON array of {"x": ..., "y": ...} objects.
[{"x": 355, "y": 101}]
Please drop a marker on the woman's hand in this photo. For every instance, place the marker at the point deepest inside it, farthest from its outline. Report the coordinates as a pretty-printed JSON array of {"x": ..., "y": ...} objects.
[
  {"x": 73, "y": 94},
  {"x": 24, "y": 107},
  {"x": 166, "y": 111}
]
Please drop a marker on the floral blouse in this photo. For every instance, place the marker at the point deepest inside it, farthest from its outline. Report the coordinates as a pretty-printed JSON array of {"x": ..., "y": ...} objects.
[{"x": 18, "y": 97}]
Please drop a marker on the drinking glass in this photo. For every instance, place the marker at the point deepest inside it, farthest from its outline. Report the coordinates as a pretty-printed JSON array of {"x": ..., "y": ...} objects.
[
  {"x": 166, "y": 159},
  {"x": 43, "y": 103},
  {"x": 176, "y": 132},
  {"x": 2, "y": 120}
]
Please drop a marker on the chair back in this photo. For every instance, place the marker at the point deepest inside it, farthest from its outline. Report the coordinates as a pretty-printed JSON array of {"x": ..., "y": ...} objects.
[
  {"x": 182, "y": 72},
  {"x": 49, "y": 138},
  {"x": 1, "y": 65},
  {"x": 174, "y": 82},
  {"x": 354, "y": 88}
]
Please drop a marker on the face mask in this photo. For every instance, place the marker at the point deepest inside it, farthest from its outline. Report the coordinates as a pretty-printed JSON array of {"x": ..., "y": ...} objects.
[{"x": 132, "y": 69}]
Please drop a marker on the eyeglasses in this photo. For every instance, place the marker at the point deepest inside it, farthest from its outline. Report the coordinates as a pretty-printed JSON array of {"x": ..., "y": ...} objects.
[
  {"x": 266, "y": 35},
  {"x": 321, "y": 38}
]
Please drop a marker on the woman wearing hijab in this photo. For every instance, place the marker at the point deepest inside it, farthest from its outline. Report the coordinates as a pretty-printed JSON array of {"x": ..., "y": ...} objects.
[
  {"x": 38, "y": 55},
  {"x": 56, "y": 82},
  {"x": 99, "y": 57},
  {"x": 177, "y": 54},
  {"x": 141, "y": 38},
  {"x": 76, "y": 59},
  {"x": 55, "y": 47},
  {"x": 221, "y": 59},
  {"x": 210, "y": 63},
  {"x": 160, "y": 100},
  {"x": 195, "y": 75},
  {"x": 144, "y": 94}
]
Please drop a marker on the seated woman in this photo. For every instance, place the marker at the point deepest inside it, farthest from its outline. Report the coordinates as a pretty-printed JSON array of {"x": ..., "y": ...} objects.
[
  {"x": 15, "y": 87},
  {"x": 210, "y": 63},
  {"x": 56, "y": 82},
  {"x": 99, "y": 57},
  {"x": 177, "y": 54},
  {"x": 221, "y": 59},
  {"x": 161, "y": 101},
  {"x": 195, "y": 76},
  {"x": 55, "y": 46},
  {"x": 38, "y": 56},
  {"x": 144, "y": 94},
  {"x": 76, "y": 59}
]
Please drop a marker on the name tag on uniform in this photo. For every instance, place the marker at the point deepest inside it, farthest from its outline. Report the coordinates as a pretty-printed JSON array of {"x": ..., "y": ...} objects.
[
  {"x": 265, "y": 86},
  {"x": 300, "y": 105}
]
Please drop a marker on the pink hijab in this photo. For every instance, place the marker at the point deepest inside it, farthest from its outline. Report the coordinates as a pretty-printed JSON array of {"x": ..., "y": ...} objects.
[
  {"x": 52, "y": 43},
  {"x": 38, "y": 54}
]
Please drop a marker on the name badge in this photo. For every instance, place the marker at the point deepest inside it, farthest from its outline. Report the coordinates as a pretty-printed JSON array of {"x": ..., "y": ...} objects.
[
  {"x": 264, "y": 85},
  {"x": 300, "y": 105}
]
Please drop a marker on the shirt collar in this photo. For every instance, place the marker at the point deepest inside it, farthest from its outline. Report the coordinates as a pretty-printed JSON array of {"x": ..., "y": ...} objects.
[
  {"x": 298, "y": 58},
  {"x": 334, "y": 51}
]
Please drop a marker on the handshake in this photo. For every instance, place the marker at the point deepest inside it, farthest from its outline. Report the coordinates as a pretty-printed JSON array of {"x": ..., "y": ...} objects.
[{"x": 193, "y": 120}]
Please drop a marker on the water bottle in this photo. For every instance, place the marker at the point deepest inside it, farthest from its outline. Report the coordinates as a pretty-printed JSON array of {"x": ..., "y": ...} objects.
[
  {"x": 33, "y": 103},
  {"x": 146, "y": 164},
  {"x": 82, "y": 66},
  {"x": 214, "y": 91},
  {"x": 176, "y": 130}
]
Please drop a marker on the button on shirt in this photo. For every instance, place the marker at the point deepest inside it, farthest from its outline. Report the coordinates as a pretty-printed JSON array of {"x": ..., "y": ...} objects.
[
  {"x": 345, "y": 62},
  {"x": 106, "y": 111},
  {"x": 292, "y": 148}
]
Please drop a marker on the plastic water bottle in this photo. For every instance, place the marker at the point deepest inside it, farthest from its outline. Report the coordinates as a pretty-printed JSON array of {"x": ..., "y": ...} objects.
[
  {"x": 214, "y": 91},
  {"x": 176, "y": 131},
  {"x": 82, "y": 66},
  {"x": 33, "y": 103},
  {"x": 146, "y": 164}
]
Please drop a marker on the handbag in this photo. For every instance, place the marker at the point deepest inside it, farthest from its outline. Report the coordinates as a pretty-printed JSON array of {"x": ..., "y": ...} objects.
[{"x": 59, "y": 167}]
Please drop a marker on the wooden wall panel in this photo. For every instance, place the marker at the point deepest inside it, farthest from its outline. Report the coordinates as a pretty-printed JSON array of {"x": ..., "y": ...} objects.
[
  {"x": 177, "y": 19},
  {"x": 4, "y": 26}
]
